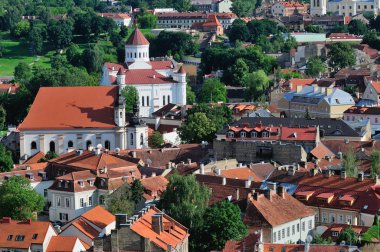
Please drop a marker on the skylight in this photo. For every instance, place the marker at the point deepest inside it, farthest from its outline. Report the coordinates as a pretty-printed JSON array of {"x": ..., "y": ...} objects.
[{"x": 20, "y": 237}]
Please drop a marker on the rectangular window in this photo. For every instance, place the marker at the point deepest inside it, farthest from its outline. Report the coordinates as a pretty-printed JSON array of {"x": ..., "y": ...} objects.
[
  {"x": 293, "y": 230},
  {"x": 274, "y": 237},
  {"x": 310, "y": 226},
  {"x": 288, "y": 232},
  {"x": 303, "y": 226},
  {"x": 283, "y": 233},
  {"x": 279, "y": 235},
  {"x": 90, "y": 201},
  {"x": 58, "y": 201},
  {"x": 147, "y": 101},
  {"x": 81, "y": 202},
  {"x": 348, "y": 219},
  {"x": 332, "y": 218},
  {"x": 324, "y": 217},
  {"x": 45, "y": 193},
  {"x": 67, "y": 200},
  {"x": 340, "y": 218},
  {"x": 298, "y": 227},
  {"x": 317, "y": 217},
  {"x": 143, "y": 101}
]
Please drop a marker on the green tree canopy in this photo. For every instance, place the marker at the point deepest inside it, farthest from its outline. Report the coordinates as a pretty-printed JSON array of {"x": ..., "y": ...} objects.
[
  {"x": 131, "y": 97},
  {"x": 256, "y": 84},
  {"x": 371, "y": 39},
  {"x": 314, "y": 29},
  {"x": 357, "y": 27},
  {"x": 213, "y": 90},
  {"x": 18, "y": 199},
  {"x": 137, "y": 191},
  {"x": 121, "y": 201},
  {"x": 315, "y": 66},
  {"x": 238, "y": 31},
  {"x": 221, "y": 222},
  {"x": 349, "y": 236},
  {"x": 60, "y": 33},
  {"x": 3, "y": 118},
  {"x": 243, "y": 8},
  {"x": 23, "y": 73},
  {"x": 350, "y": 163},
  {"x": 341, "y": 55},
  {"x": 197, "y": 128},
  {"x": 6, "y": 161},
  {"x": 319, "y": 240},
  {"x": 147, "y": 20},
  {"x": 93, "y": 58},
  {"x": 156, "y": 140},
  {"x": 190, "y": 95},
  {"x": 185, "y": 200},
  {"x": 238, "y": 71},
  {"x": 21, "y": 29}
]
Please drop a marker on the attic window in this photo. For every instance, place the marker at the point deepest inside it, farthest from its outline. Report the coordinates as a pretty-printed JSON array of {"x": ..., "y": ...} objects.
[
  {"x": 337, "y": 101},
  {"x": 230, "y": 134},
  {"x": 335, "y": 234},
  {"x": 91, "y": 182},
  {"x": 20, "y": 237},
  {"x": 34, "y": 236},
  {"x": 81, "y": 183},
  {"x": 265, "y": 134},
  {"x": 10, "y": 237}
]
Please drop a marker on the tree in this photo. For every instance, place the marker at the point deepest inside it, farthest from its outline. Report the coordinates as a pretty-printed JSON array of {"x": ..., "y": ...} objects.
[
  {"x": 131, "y": 98},
  {"x": 60, "y": 33},
  {"x": 19, "y": 200},
  {"x": 314, "y": 29},
  {"x": 315, "y": 66},
  {"x": 93, "y": 58},
  {"x": 58, "y": 61},
  {"x": 197, "y": 128},
  {"x": 349, "y": 236},
  {"x": 376, "y": 220},
  {"x": 21, "y": 29},
  {"x": 182, "y": 5},
  {"x": 357, "y": 27},
  {"x": 2, "y": 50},
  {"x": 239, "y": 70},
  {"x": 350, "y": 163},
  {"x": 243, "y": 8},
  {"x": 341, "y": 55},
  {"x": 221, "y": 222},
  {"x": 185, "y": 200},
  {"x": 190, "y": 95},
  {"x": 238, "y": 31},
  {"x": 123, "y": 31},
  {"x": 147, "y": 20},
  {"x": 6, "y": 161},
  {"x": 371, "y": 39},
  {"x": 120, "y": 201},
  {"x": 375, "y": 163},
  {"x": 3, "y": 117},
  {"x": 156, "y": 140},
  {"x": 23, "y": 73},
  {"x": 256, "y": 84},
  {"x": 340, "y": 28},
  {"x": 319, "y": 240},
  {"x": 73, "y": 55},
  {"x": 213, "y": 90},
  {"x": 50, "y": 155},
  {"x": 36, "y": 39},
  {"x": 116, "y": 39},
  {"x": 137, "y": 191}
]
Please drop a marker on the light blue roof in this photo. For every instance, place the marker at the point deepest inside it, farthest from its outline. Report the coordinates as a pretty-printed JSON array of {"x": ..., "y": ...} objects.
[{"x": 337, "y": 97}]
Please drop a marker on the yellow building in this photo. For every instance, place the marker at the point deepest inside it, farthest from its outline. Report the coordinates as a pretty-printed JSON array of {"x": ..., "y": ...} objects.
[{"x": 319, "y": 102}]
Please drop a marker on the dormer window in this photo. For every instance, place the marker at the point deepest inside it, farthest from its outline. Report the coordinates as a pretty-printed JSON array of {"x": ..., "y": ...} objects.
[
  {"x": 231, "y": 134},
  {"x": 243, "y": 134},
  {"x": 34, "y": 236},
  {"x": 60, "y": 183},
  {"x": 254, "y": 134},
  {"x": 66, "y": 183},
  {"x": 91, "y": 182},
  {"x": 265, "y": 134},
  {"x": 335, "y": 234},
  {"x": 20, "y": 237},
  {"x": 10, "y": 237},
  {"x": 102, "y": 182},
  {"x": 81, "y": 183}
]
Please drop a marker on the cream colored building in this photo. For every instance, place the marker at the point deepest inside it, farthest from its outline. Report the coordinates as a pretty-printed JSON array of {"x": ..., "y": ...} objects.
[{"x": 319, "y": 102}]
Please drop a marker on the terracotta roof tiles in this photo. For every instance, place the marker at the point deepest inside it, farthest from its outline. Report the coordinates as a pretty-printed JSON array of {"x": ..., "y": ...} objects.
[
  {"x": 137, "y": 38},
  {"x": 99, "y": 217}
]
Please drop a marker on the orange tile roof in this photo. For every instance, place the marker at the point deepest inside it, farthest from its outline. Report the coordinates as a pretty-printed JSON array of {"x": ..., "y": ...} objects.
[
  {"x": 321, "y": 151},
  {"x": 35, "y": 158},
  {"x": 267, "y": 210},
  {"x": 212, "y": 20},
  {"x": 9, "y": 88},
  {"x": 99, "y": 217},
  {"x": 239, "y": 173},
  {"x": 173, "y": 236},
  {"x": 25, "y": 228},
  {"x": 62, "y": 244},
  {"x": 376, "y": 86},
  {"x": 85, "y": 228},
  {"x": 114, "y": 15},
  {"x": 157, "y": 183},
  {"x": 72, "y": 108},
  {"x": 137, "y": 38}
]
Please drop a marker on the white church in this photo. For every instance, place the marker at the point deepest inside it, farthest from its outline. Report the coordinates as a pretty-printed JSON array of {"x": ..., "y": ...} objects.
[
  {"x": 344, "y": 7},
  {"x": 157, "y": 82},
  {"x": 65, "y": 118}
]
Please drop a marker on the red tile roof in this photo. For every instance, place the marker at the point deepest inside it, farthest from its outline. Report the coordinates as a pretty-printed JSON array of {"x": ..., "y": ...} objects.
[
  {"x": 174, "y": 235},
  {"x": 146, "y": 76},
  {"x": 72, "y": 108},
  {"x": 154, "y": 186},
  {"x": 339, "y": 228},
  {"x": 137, "y": 38},
  {"x": 376, "y": 86},
  {"x": 23, "y": 228},
  {"x": 9, "y": 88},
  {"x": 265, "y": 210},
  {"x": 35, "y": 158},
  {"x": 62, "y": 244},
  {"x": 274, "y": 247},
  {"x": 321, "y": 151},
  {"x": 212, "y": 20},
  {"x": 291, "y": 85},
  {"x": 85, "y": 228},
  {"x": 161, "y": 64},
  {"x": 114, "y": 15},
  {"x": 247, "y": 244}
]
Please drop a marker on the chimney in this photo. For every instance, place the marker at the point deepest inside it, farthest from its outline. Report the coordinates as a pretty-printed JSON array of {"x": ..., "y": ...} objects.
[
  {"x": 189, "y": 161},
  {"x": 329, "y": 91},
  {"x": 255, "y": 196},
  {"x": 272, "y": 186},
  {"x": 218, "y": 171},
  {"x": 237, "y": 193},
  {"x": 281, "y": 191},
  {"x": 315, "y": 88},
  {"x": 97, "y": 151},
  {"x": 360, "y": 176},
  {"x": 240, "y": 165},
  {"x": 224, "y": 181},
  {"x": 248, "y": 183},
  {"x": 299, "y": 88},
  {"x": 343, "y": 174},
  {"x": 157, "y": 225},
  {"x": 291, "y": 170},
  {"x": 268, "y": 194},
  {"x": 120, "y": 219},
  {"x": 153, "y": 174},
  {"x": 134, "y": 154},
  {"x": 313, "y": 172},
  {"x": 202, "y": 169}
]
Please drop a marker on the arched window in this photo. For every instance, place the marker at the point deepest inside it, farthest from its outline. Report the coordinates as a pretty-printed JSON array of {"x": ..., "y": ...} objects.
[
  {"x": 52, "y": 146},
  {"x": 163, "y": 100},
  {"x": 143, "y": 101},
  {"x": 131, "y": 139},
  {"x": 107, "y": 145},
  {"x": 88, "y": 143},
  {"x": 168, "y": 98},
  {"x": 142, "y": 139},
  {"x": 135, "y": 55},
  {"x": 33, "y": 145},
  {"x": 101, "y": 200},
  {"x": 70, "y": 144},
  {"x": 147, "y": 101}
]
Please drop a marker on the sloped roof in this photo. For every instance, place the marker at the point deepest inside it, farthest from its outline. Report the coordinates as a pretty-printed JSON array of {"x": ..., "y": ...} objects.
[
  {"x": 146, "y": 76},
  {"x": 137, "y": 38},
  {"x": 99, "y": 216},
  {"x": 321, "y": 151},
  {"x": 35, "y": 158},
  {"x": 85, "y": 228},
  {"x": 63, "y": 244},
  {"x": 72, "y": 108}
]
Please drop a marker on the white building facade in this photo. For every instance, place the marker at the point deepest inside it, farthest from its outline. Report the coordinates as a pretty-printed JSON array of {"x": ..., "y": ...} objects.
[{"x": 344, "y": 7}]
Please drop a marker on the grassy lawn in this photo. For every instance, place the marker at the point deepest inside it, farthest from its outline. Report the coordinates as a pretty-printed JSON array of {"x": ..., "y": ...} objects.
[{"x": 16, "y": 52}]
